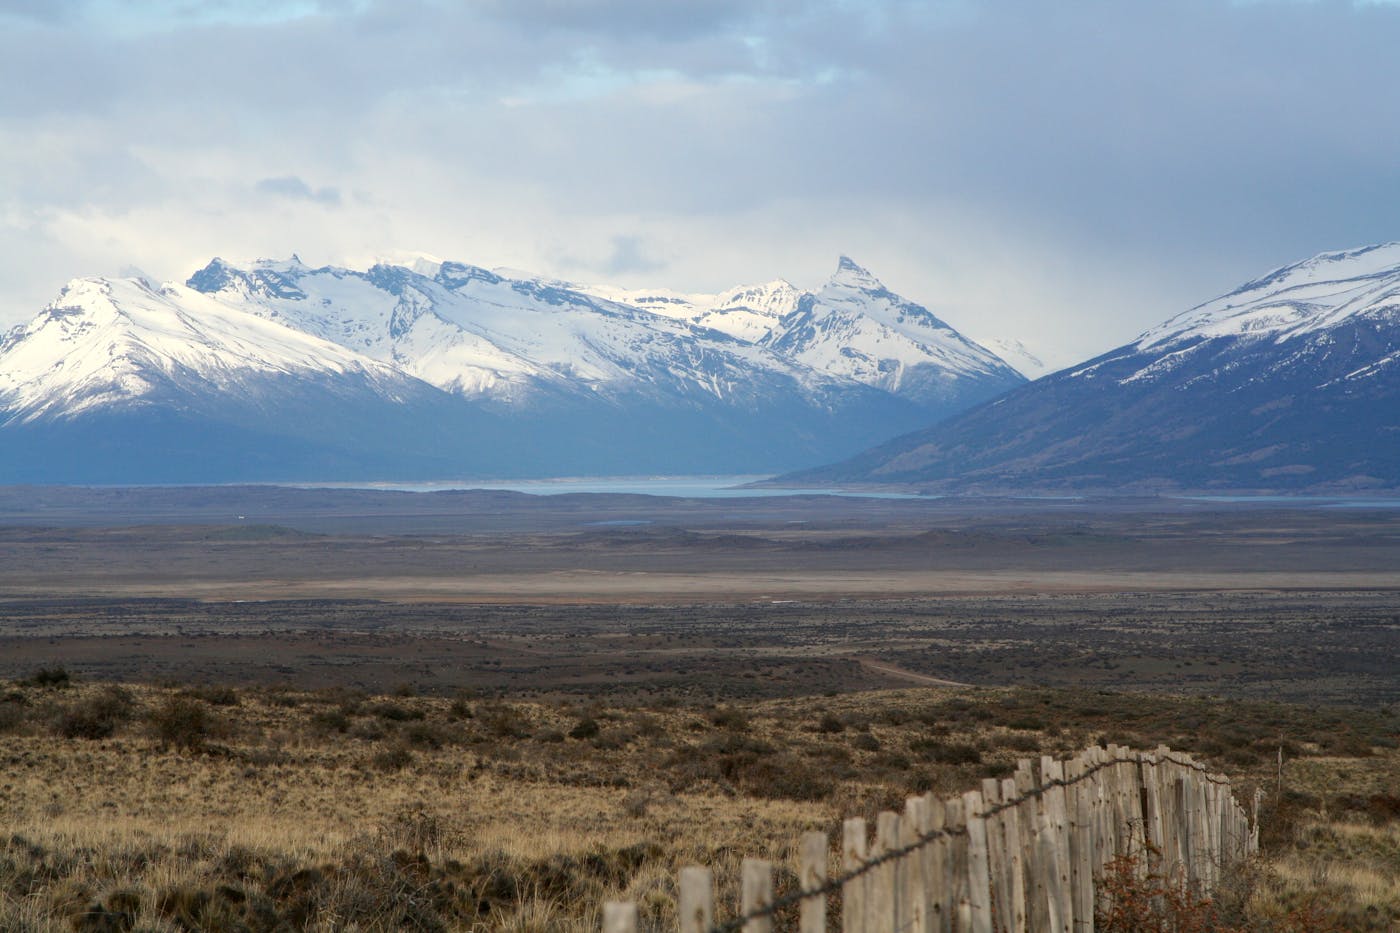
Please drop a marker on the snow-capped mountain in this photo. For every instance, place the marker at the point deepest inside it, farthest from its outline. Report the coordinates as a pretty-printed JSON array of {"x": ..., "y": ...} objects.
[
  {"x": 856, "y": 327},
  {"x": 277, "y": 370},
  {"x": 1289, "y": 382},
  {"x": 127, "y": 342},
  {"x": 513, "y": 341},
  {"x": 748, "y": 312}
]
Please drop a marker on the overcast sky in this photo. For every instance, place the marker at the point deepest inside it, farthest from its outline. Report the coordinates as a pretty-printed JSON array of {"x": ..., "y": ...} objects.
[{"x": 1064, "y": 172}]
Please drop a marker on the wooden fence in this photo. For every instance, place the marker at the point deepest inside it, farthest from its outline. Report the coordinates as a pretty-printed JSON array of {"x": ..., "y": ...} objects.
[{"x": 1020, "y": 854}]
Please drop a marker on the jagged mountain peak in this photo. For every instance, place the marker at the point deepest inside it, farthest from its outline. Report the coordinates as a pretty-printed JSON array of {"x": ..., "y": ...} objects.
[
  {"x": 1289, "y": 383},
  {"x": 851, "y": 274}
]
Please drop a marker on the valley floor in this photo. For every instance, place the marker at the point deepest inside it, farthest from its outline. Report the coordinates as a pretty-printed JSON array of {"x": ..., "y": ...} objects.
[{"x": 407, "y": 712}]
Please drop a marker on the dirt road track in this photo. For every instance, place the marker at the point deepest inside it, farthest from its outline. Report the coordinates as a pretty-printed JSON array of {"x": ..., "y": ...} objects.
[{"x": 880, "y": 667}]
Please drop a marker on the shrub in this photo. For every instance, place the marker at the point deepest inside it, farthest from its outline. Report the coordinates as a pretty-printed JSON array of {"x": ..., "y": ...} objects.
[
  {"x": 503, "y": 721},
  {"x": 217, "y": 696},
  {"x": 96, "y": 717},
  {"x": 587, "y": 728},
  {"x": 866, "y": 742},
  {"x": 330, "y": 720},
  {"x": 181, "y": 722},
  {"x": 12, "y": 712},
  {"x": 830, "y": 724},
  {"x": 51, "y": 678},
  {"x": 424, "y": 735},
  {"x": 732, "y": 719},
  {"x": 393, "y": 712},
  {"x": 393, "y": 758},
  {"x": 947, "y": 753}
]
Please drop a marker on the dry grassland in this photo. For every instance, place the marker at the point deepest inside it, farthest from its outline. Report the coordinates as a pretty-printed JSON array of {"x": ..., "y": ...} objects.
[{"x": 167, "y": 808}]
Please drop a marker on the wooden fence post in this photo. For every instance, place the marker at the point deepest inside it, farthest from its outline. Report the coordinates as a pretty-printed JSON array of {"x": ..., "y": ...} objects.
[
  {"x": 697, "y": 900},
  {"x": 1081, "y": 846},
  {"x": 853, "y": 843},
  {"x": 998, "y": 855},
  {"x": 955, "y": 866},
  {"x": 619, "y": 917},
  {"x": 1059, "y": 873},
  {"x": 811, "y": 876},
  {"x": 1015, "y": 858},
  {"x": 979, "y": 871},
  {"x": 913, "y": 880},
  {"x": 940, "y": 903},
  {"x": 884, "y": 901},
  {"x": 757, "y": 893},
  {"x": 1032, "y": 828}
]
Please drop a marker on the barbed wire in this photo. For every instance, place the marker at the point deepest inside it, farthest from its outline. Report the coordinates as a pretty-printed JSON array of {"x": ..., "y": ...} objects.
[{"x": 832, "y": 885}]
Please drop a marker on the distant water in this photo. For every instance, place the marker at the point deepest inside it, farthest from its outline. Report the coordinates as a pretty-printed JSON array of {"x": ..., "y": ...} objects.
[
  {"x": 1308, "y": 502},
  {"x": 684, "y": 487}
]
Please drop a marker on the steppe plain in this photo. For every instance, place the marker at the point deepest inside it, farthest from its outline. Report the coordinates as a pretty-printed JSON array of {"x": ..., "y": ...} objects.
[{"x": 381, "y": 676}]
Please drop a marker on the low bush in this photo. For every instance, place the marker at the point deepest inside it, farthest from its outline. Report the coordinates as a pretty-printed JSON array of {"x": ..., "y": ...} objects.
[
  {"x": 586, "y": 728},
  {"x": 49, "y": 678},
  {"x": 181, "y": 722},
  {"x": 97, "y": 716}
]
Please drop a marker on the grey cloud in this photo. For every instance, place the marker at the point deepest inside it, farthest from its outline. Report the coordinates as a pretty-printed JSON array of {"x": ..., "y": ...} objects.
[
  {"x": 293, "y": 188},
  {"x": 1148, "y": 155}
]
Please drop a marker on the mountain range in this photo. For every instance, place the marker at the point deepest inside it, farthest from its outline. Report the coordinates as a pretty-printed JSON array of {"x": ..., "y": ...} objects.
[
  {"x": 1289, "y": 383},
  {"x": 274, "y": 370}
]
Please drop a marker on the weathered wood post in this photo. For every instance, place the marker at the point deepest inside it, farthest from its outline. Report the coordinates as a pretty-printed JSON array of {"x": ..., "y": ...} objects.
[
  {"x": 913, "y": 880},
  {"x": 697, "y": 900},
  {"x": 1031, "y": 820},
  {"x": 811, "y": 876},
  {"x": 1015, "y": 858},
  {"x": 998, "y": 856},
  {"x": 979, "y": 871},
  {"x": 955, "y": 867},
  {"x": 940, "y": 900},
  {"x": 1052, "y": 772},
  {"x": 757, "y": 893},
  {"x": 1081, "y": 846},
  {"x": 884, "y": 900},
  {"x": 619, "y": 917},
  {"x": 853, "y": 849}
]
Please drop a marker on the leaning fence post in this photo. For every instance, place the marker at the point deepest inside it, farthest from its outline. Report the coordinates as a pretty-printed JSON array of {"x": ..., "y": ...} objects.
[
  {"x": 940, "y": 913},
  {"x": 812, "y": 877},
  {"x": 979, "y": 872},
  {"x": 955, "y": 866},
  {"x": 1015, "y": 859},
  {"x": 697, "y": 900},
  {"x": 1081, "y": 844},
  {"x": 998, "y": 856},
  {"x": 913, "y": 878},
  {"x": 1052, "y": 774},
  {"x": 853, "y": 838},
  {"x": 619, "y": 917},
  {"x": 882, "y": 904}
]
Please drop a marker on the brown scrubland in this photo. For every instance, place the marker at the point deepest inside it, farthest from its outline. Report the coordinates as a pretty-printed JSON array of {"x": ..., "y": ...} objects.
[{"x": 161, "y": 808}]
